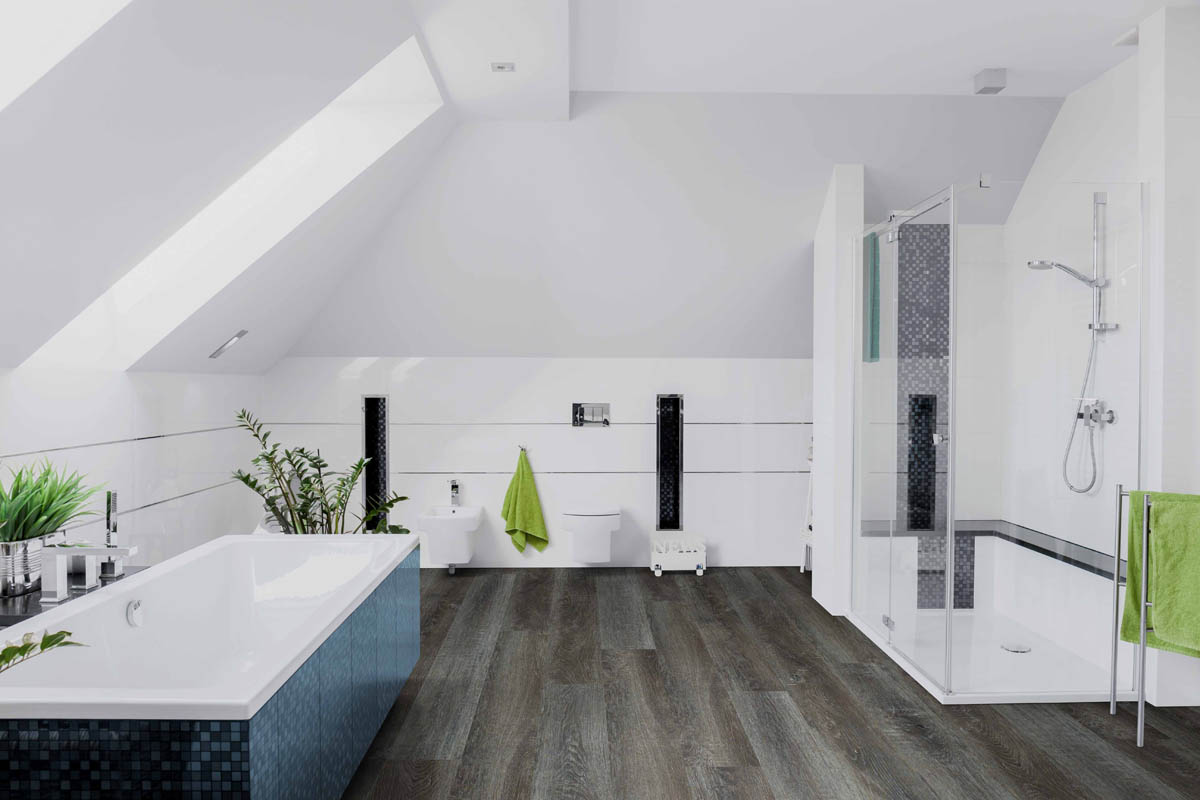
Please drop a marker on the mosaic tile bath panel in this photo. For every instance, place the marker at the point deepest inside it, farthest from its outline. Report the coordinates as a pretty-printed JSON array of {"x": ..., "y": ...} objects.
[{"x": 303, "y": 744}]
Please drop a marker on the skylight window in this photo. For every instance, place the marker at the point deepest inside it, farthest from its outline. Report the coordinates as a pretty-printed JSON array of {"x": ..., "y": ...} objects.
[
  {"x": 37, "y": 34},
  {"x": 250, "y": 217}
]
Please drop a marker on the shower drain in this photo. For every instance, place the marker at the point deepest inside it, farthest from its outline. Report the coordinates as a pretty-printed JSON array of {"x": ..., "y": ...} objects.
[{"x": 1015, "y": 647}]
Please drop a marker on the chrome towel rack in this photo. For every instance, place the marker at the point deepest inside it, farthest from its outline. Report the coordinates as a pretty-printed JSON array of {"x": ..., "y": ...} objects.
[{"x": 1122, "y": 493}]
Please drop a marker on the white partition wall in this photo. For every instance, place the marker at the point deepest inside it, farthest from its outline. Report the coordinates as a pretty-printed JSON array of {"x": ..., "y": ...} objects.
[{"x": 835, "y": 257}]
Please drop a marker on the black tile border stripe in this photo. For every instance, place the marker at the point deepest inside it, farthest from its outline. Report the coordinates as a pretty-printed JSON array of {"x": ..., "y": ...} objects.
[{"x": 1064, "y": 550}]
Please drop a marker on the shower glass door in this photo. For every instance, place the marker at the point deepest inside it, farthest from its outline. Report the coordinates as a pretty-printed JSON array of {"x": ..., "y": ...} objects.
[
  {"x": 921, "y": 559},
  {"x": 904, "y": 418},
  {"x": 876, "y": 476}
]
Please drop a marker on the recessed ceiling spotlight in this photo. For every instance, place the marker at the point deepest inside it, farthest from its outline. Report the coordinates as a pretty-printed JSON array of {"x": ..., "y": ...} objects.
[
  {"x": 237, "y": 337},
  {"x": 991, "y": 81},
  {"x": 504, "y": 66}
]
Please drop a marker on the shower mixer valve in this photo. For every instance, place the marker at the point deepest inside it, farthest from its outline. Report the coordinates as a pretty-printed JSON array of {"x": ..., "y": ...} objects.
[{"x": 1093, "y": 413}]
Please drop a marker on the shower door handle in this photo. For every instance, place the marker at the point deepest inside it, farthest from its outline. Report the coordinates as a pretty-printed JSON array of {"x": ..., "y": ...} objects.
[{"x": 939, "y": 438}]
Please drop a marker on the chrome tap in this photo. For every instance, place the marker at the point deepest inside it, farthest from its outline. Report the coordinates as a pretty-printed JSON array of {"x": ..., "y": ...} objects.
[
  {"x": 111, "y": 567},
  {"x": 454, "y": 493}
]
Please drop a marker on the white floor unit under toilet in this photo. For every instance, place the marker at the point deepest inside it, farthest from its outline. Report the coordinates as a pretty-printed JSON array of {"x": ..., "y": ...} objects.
[{"x": 589, "y": 533}]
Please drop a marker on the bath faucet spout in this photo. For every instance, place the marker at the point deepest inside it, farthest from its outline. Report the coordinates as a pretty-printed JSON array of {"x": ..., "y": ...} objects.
[{"x": 112, "y": 566}]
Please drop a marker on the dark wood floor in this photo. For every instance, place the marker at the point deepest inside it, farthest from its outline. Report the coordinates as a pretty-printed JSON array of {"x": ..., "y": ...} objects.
[{"x": 616, "y": 684}]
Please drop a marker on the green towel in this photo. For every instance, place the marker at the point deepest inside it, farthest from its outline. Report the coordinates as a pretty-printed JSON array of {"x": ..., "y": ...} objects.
[
  {"x": 871, "y": 297},
  {"x": 1175, "y": 618},
  {"x": 522, "y": 510}
]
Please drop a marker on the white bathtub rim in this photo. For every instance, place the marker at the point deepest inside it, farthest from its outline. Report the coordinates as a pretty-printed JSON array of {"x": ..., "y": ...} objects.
[{"x": 42, "y": 702}]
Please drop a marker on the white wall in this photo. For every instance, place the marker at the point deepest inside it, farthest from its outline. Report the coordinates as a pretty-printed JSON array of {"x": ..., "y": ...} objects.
[
  {"x": 837, "y": 262},
  {"x": 747, "y": 431},
  {"x": 164, "y": 442},
  {"x": 981, "y": 335},
  {"x": 1091, "y": 148}
]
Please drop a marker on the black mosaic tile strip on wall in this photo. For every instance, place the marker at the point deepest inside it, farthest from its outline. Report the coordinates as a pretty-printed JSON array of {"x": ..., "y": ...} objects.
[
  {"x": 923, "y": 369},
  {"x": 84, "y": 759},
  {"x": 923, "y": 287},
  {"x": 931, "y": 571},
  {"x": 375, "y": 439},
  {"x": 922, "y": 461},
  {"x": 670, "y": 462}
]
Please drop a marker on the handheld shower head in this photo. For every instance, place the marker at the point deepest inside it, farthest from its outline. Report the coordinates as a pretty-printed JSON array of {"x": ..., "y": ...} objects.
[{"x": 1041, "y": 264}]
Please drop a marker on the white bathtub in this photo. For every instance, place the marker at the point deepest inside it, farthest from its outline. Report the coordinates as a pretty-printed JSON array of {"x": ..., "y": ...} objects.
[{"x": 224, "y": 626}]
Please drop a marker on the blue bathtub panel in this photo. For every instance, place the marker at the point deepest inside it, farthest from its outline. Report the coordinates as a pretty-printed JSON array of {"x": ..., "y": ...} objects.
[
  {"x": 408, "y": 627},
  {"x": 365, "y": 669},
  {"x": 337, "y": 709},
  {"x": 389, "y": 641},
  {"x": 305, "y": 743}
]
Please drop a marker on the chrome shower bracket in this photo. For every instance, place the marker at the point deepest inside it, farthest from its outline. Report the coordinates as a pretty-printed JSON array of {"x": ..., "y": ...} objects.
[{"x": 1094, "y": 413}]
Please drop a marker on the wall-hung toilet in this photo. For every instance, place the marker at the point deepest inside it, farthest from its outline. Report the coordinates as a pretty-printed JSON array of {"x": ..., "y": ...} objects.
[{"x": 589, "y": 533}]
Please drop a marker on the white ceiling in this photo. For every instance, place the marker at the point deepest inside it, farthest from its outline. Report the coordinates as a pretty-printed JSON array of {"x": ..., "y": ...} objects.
[
  {"x": 131, "y": 134},
  {"x": 466, "y": 36},
  {"x": 1050, "y": 47}
]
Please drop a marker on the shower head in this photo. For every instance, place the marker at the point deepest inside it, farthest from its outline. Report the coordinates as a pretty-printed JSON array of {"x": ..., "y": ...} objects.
[{"x": 1095, "y": 283}]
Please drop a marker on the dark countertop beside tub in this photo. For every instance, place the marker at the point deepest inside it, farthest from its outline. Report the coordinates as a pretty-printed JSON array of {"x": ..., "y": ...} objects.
[{"x": 18, "y": 609}]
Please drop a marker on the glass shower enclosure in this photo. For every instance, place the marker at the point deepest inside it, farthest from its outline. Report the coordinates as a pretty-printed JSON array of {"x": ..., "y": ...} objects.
[{"x": 975, "y": 564}]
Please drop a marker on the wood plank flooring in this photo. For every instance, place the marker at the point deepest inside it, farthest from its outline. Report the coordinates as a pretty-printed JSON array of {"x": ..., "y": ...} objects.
[{"x": 595, "y": 684}]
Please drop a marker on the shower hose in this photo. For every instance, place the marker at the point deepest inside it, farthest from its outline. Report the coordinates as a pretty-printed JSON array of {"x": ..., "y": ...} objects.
[{"x": 1091, "y": 444}]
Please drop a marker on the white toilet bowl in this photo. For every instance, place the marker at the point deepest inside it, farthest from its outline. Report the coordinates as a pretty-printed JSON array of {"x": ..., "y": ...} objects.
[{"x": 589, "y": 533}]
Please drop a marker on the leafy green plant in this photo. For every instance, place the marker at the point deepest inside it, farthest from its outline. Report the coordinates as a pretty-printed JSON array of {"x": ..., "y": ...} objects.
[
  {"x": 29, "y": 646},
  {"x": 39, "y": 501},
  {"x": 303, "y": 494}
]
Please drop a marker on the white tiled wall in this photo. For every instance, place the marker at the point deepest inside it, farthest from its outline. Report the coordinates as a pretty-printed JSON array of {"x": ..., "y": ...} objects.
[
  {"x": 746, "y": 438},
  {"x": 164, "y": 442}
]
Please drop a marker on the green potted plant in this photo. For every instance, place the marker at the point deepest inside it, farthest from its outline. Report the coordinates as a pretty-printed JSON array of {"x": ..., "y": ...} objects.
[
  {"x": 36, "y": 503},
  {"x": 303, "y": 494}
]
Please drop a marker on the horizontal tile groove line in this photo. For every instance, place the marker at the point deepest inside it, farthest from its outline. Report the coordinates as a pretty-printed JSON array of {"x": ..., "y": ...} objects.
[
  {"x": 155, "y": 503},
  {"x": 611, "y": 472},
  {"x": 131, "y": 440},
  {"x": 510, "y": 424}
]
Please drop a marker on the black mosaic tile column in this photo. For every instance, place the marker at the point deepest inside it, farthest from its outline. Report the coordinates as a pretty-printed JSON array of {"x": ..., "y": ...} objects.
[
  {"x": 375, "y": 447},
  {"x": 922, "y": 461},
  {"x": 670, "y": 462},
  {"x": 923, "y": 383}
]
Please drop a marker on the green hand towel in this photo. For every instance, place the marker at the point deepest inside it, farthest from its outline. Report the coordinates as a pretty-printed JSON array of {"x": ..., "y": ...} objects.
[
  {"x": 1174, "y": 522},
  {"x": 522, "y": 510},
  {"x": 1175, "y": 561}
]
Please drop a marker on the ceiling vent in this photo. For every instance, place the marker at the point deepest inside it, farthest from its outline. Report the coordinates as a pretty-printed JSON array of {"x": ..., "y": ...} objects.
[
  {"x": 991, "y": 81},
  {"x": 504, "y": 66}
]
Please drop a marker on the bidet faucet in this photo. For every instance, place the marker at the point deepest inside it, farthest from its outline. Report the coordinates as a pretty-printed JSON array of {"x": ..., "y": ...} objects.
[{"x": 453, "y": 493}]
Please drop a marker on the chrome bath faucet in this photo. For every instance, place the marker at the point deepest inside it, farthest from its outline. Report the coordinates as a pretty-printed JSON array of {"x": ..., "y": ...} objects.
[{"x": 453, "y": 493}]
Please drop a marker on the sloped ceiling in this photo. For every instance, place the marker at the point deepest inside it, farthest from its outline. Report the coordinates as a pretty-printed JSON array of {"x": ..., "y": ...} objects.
[
  {"x": 673, "y": 225},
  {"x": 143, "y": 124},
  {"x": 277, "y": 300},
  {"x": 167, "y": 104}
]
